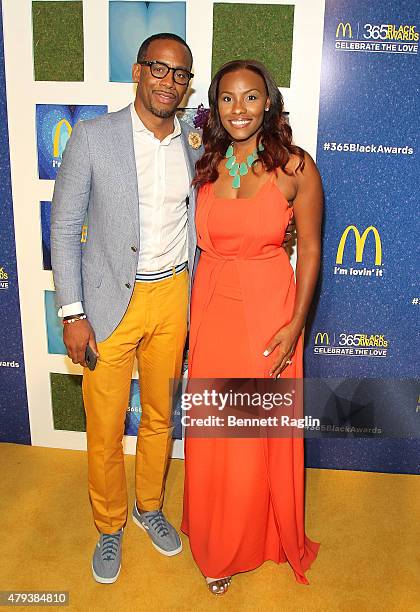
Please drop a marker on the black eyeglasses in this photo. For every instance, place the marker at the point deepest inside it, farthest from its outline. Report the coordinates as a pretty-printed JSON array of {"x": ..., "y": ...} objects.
[{"x": 159, "y": 70}]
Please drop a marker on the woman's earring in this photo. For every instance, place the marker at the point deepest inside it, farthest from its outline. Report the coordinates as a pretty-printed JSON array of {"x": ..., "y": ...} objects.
[{"x": 267, "y": 109}]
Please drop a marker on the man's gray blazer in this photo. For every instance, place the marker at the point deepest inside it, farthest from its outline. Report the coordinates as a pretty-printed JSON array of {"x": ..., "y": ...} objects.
[{"x": 98, "y": 178}]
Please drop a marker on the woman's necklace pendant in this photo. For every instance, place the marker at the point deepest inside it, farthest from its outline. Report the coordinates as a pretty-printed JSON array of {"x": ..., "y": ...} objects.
[{"x": 236, "y": 169}]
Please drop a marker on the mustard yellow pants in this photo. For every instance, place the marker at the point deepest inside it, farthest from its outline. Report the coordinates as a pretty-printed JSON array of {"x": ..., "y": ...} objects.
[{"x": 153, "y": 329}]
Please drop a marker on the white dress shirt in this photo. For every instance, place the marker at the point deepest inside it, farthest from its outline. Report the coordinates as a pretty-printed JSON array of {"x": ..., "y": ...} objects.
[
  {"x": 163, "y": 186},
  {"x": 162, "y": 177}
]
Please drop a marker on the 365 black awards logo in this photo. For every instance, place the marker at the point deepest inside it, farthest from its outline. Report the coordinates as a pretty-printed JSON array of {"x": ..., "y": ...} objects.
[
  {"x": 4, "y": 279},
  {"x": 362, "y": 37}
]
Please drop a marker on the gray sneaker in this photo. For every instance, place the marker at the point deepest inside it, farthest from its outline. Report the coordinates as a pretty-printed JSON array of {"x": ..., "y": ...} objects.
[
  {"x": 106, "y": 562},
  {"x": 164, "y": 537}
]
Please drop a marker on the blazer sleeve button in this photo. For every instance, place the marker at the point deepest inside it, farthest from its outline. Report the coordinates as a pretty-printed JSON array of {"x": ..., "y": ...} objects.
[{"x": 128, "y": 285}]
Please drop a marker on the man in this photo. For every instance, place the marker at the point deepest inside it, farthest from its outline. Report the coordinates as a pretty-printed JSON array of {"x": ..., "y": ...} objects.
[{"x": 124, "y": 292}]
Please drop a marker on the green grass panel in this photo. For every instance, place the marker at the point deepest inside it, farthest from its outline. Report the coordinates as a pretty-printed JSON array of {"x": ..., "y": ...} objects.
[
  {"x": 67, "y": 402},
  {"x": 263, "y": 32},
  {"x": 58, "y": 41}
]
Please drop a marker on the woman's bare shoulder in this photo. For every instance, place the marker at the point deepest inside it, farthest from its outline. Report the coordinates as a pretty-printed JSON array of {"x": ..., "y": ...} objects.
[
  {"x": 304, "y": 172},
  {"x": 295, "y": 164}
]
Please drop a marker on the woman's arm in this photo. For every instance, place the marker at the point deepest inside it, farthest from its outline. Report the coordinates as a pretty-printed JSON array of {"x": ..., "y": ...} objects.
[{"x": 308, "y": 207}]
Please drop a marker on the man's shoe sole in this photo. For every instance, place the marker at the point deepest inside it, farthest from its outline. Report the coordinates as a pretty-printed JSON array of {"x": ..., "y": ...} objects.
[
  {"x": 105, "y": 580},
  {"x": 161, "y": 550}
]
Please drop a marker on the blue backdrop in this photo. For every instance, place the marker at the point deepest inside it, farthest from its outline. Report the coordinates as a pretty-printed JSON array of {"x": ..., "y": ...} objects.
[
  {"x": 365, "y": 321},
  {"x": 14, "y": 420}
]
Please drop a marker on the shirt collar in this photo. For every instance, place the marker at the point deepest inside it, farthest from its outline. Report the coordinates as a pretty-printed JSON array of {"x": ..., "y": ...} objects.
[{"x": 138, "y": 126}]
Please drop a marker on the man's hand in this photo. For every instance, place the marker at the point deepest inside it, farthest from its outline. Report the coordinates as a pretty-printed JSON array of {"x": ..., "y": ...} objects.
[{"x": 76, "y": 337}]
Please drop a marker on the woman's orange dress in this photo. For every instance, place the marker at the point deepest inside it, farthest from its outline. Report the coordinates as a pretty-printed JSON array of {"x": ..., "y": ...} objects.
[{"x": 243, "y": 497}]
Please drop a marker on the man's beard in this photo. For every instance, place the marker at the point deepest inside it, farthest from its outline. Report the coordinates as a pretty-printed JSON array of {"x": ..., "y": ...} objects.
[{"x": 160, "y": 112}]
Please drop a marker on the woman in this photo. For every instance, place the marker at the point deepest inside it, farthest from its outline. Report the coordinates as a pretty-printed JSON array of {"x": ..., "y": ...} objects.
[{"x": 243, "y": 499}]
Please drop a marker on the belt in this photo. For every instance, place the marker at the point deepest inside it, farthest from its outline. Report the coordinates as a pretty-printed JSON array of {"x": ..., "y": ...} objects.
[{"x": 157, "y": 276}]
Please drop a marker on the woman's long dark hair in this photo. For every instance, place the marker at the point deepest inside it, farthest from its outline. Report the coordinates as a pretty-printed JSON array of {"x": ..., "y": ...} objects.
[{"x": 275, "y": 134}]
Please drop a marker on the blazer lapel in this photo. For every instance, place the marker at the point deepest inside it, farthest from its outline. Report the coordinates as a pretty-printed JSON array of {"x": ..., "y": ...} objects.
[
  {"x": 191, "y": 156},
  {"x": 125, "y": 162}
]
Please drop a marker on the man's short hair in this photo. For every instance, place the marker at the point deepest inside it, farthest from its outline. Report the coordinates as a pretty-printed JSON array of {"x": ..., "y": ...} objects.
[{"x": 141, "y": 55}]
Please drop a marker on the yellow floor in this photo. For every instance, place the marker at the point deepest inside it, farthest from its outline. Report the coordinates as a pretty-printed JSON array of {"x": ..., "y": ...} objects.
[{"x": 368, "y": 525}]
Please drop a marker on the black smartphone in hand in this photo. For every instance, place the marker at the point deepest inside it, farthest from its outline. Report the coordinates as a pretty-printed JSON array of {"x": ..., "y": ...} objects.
[{"x": 90, "y": 358}]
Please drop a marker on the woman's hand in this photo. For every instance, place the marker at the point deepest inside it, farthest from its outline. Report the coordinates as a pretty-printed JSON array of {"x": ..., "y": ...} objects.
[{"x": 285, "y": 340}]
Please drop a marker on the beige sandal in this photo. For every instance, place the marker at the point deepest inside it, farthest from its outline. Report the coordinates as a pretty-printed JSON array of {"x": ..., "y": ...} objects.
[{"x": 218, "y": 586}]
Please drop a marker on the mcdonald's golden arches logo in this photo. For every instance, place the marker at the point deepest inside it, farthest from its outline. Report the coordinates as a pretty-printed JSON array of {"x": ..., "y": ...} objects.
[
  {"x": 344, "y": 28},
  {"x": 360, "y": 244},
  {"x": 322, "y": 338},
  {"x": 57, "y": 135}
]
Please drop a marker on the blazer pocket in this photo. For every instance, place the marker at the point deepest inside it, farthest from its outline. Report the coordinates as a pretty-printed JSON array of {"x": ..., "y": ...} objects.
[{"x": 92, "y": 272}]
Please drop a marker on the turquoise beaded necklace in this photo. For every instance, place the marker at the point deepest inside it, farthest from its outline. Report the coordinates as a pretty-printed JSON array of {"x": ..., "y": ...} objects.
[{"x": 236, "y": 169}]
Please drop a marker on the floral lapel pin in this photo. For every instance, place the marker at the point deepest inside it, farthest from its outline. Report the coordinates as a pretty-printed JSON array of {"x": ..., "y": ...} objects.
[{"x": 194, "y": 140}]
